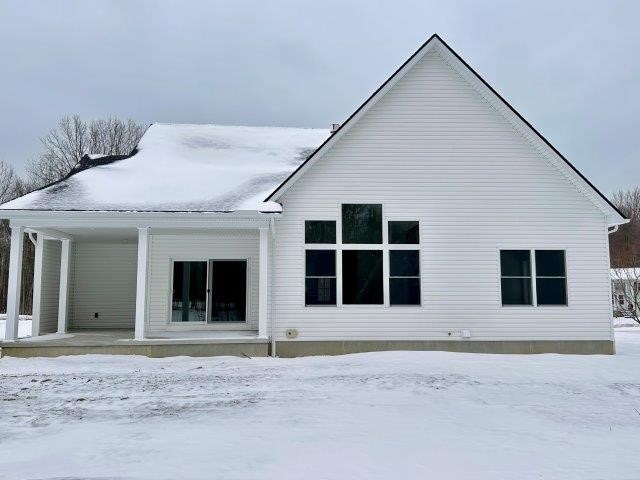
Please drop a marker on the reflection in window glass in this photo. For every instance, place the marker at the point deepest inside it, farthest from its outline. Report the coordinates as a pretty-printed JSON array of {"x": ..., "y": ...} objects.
[
  {"x": 362, "y": 223},
  {"x": 189, "y": 302}
]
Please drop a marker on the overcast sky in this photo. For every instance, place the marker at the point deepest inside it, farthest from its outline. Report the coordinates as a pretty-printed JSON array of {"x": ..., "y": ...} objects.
[{"x": 571, "y": 68}]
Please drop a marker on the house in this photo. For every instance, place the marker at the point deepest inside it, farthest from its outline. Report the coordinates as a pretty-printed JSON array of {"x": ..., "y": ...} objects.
[
  {"x": 625, "y": 285},
  {"x": 434, "y": 217}
]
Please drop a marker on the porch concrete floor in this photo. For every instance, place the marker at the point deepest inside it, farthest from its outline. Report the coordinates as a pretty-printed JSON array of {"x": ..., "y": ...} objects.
[{"x": 91, "y": 338}]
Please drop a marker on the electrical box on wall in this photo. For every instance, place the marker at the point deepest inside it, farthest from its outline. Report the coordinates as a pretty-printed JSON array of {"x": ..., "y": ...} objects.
[{"x": 291, "y": 333}]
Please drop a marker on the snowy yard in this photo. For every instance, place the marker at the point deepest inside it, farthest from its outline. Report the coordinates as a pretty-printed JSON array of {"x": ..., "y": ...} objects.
[{"x": 395, "y": 415}]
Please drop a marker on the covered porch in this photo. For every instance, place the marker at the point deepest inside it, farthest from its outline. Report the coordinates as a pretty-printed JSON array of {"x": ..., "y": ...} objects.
[{"x": 149, "y": 285}]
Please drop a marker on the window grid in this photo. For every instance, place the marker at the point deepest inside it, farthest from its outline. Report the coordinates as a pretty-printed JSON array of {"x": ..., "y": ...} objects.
[
  {"x": 534, "y": 276},
  {"x": 385, "y": 247}
]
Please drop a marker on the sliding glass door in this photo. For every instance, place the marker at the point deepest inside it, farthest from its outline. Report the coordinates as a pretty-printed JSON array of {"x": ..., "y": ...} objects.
[{"x": 213, "y": 291}]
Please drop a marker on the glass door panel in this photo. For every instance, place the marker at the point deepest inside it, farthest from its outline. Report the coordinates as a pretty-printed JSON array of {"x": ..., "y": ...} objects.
[
  {"x": 228, "y": 291},
  {"x": 189, "y": 298}
]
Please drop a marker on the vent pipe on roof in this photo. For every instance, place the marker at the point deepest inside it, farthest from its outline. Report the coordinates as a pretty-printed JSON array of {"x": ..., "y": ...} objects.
[{"x": 334, "y": 127}]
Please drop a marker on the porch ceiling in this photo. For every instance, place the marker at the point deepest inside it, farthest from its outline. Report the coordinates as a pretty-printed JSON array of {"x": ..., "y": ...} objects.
[{"x": 102, "y": 234}]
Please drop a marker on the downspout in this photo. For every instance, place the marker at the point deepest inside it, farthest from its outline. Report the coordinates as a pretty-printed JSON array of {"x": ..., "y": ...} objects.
[
  {"x": 613, "y": 230},
  {"x": 35, "y": 244},
  {"x": 272, "y": 225}
]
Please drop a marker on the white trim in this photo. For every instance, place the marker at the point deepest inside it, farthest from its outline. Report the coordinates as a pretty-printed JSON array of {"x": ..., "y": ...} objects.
[
  {"x": 263, "y": 287},
  {"x": 141, "y": 284},
  {"x": 63, "y": 295},
  {"x": 37, "y": 286},
  {"x": 15, "y": 280}
]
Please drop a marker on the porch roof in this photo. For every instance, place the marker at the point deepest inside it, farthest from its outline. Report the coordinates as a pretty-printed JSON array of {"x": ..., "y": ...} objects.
[{"x": 185, "y": 168}]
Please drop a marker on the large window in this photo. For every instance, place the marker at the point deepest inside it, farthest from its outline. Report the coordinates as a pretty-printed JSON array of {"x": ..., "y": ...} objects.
[
  {"x": 362, "y": 277},
  {"x": 369, "y": 264},
  {"x": 546, "y": 277}
]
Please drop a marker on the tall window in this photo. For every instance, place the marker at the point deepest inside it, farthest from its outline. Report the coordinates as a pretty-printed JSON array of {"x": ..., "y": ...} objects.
[
  {"x": 404, "y": 277},
  {"x": 362, "y": 279},
  {"x": 519, "y": 281},
  {"x": 551, "y": 277},
  {"x": 320, "y": 263}
]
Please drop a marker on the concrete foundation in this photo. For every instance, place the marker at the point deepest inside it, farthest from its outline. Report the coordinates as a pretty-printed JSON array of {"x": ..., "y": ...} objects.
[
  {"x": 583, "y": 347},
  {"x": 153, "y": 351},
  {"x": 120, "y": 343}
]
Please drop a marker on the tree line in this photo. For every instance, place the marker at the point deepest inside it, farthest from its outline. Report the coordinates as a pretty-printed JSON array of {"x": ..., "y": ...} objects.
[{"x": 62, "y": 149}]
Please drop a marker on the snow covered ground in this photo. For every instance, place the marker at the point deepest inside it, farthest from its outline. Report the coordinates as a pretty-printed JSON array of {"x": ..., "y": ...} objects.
[
  {"x": 24, "y": 325},
  {"x": 390, "y": 415}
]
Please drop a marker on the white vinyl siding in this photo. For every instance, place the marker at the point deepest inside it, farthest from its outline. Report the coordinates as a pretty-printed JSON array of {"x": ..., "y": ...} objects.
[
  {"x": 50, "y": 287},
  {"x": 104, "y": 282},
  {"x": 220, "y": 244},
  {"x": 435, "y": 151}
]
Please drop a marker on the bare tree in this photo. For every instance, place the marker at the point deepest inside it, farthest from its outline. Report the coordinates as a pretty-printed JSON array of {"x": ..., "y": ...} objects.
[
  {"x": 7, "y": 182},
  {"x": 625, "y": 255},
  {"x": 12, "y": 186},
  {"x": 65, "y": 145}
]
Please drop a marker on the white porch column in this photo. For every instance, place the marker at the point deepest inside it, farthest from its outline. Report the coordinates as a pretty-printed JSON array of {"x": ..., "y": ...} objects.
[
  {"x": 263, "y": 290},
  {"x": 141, "y": 287},
  {"x": 63, "y": 295},
  {"x": 37, "y": 286},
  {"x": 15, "y": 279}
]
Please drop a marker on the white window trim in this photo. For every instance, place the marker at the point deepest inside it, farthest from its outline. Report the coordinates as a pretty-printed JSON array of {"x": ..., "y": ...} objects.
[
  {"x": 385, "y": 247},
  {"x": 534, "y": 292},
  {"x": 206, "y": 324}
]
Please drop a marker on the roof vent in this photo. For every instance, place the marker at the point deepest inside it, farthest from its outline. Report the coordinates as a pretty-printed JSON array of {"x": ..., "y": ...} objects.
[{"x": 334, "y": 127}]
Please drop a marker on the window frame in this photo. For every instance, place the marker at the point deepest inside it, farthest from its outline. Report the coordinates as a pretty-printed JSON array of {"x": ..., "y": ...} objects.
[
  {"x": 419, "y": 276},
  {"x": 335, "y": 259},
  {"x": 320, "y": 246},
  {"x": 532, "y": 259},
  {"x": 207, "y": 324},
  {"x": 339, "y": 247}
]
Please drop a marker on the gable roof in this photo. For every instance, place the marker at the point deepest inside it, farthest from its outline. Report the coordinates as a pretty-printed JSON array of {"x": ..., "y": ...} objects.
[
  {"x": 614, "y": 216},
  {"x": 178, "y": 168}
]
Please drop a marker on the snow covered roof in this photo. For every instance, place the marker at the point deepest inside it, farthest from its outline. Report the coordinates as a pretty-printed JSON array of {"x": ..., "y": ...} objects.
[{"x": 204, "y": 168}]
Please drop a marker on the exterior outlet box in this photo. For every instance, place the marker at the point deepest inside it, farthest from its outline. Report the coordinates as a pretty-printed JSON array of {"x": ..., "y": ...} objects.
[
  {"x": 465, "y": 333},
  {"x": 291, "y": 333}
]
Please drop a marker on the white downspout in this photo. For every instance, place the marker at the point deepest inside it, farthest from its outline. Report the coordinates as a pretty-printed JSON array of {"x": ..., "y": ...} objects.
[{"x": 272, "y": 290}]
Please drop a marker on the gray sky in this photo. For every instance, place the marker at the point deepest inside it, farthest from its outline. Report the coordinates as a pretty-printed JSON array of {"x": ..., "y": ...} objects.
[{"x": 569, "y": 67}]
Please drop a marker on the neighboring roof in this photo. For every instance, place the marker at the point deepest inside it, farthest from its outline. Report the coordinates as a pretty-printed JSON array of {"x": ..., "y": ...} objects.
[
  {"x": 201, "y": 168},
  {"x": 613, "y": 214}
]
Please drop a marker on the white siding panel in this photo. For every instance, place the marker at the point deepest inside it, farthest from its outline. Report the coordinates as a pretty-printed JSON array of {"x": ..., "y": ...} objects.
[
  {"x": 164, "y": 248},
  {"x": 434, "y": 150},
  {"x": 50, "y": 286},
  {"x": 105, "y": 283}
]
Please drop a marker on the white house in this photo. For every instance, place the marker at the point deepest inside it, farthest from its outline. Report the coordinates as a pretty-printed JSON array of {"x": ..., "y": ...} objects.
[{"x": 434, "y": 217}]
